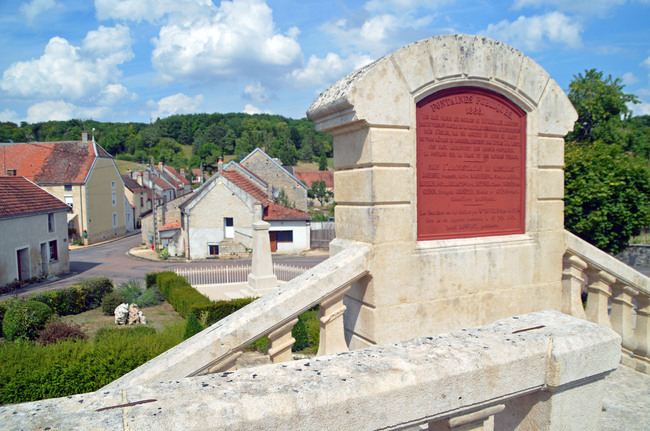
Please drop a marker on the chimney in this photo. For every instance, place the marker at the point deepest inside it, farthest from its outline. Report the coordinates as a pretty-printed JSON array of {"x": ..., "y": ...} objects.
[
  {"x": 220, "y": 166},
  {"x": 263, "y": 149},
  {"x": 128, "y": 172},
  {"x": 160, "y": 166},
  {"x": 182, "y": 172},
  {"x": 139, "y": 178},
  {"x": 84, "y": 136}
]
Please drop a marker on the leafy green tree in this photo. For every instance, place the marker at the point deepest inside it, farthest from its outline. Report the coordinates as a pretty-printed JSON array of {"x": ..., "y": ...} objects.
[
  {"x": 607, "y": 197},
  {"x": 319, "y": 191},
  {"x": 601, "y": 105},
  {"x": 322, "y": 162}
]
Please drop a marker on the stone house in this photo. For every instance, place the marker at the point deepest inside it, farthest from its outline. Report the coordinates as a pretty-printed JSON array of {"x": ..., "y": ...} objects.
[
  {"x": 80, "y": 173},
  {"x": 272, "y": 172},
  {"x": 33, "y": 231},
  {"x": 138, "y": 195}
]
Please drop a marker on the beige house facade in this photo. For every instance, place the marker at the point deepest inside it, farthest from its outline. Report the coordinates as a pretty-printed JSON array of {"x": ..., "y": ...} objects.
[
  {"x": 33, "y": 232},
  {"x": 83, "y": 175}
]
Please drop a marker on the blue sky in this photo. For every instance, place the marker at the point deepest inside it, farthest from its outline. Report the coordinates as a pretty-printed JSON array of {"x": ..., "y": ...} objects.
[{"x": 136, "y": 60}]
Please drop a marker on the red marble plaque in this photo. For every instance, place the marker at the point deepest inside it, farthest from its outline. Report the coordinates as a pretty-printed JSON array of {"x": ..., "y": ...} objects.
[{"x": 471, "y": 165}]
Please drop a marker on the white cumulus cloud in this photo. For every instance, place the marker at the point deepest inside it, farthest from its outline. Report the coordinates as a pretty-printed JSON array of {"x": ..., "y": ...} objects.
[
  {"x": 326, "y": 71},
  {"x": 175, "y": 104},
  {"x": 35, "y": 8},
  {"x": 68, "y": 72},
  {"x": 7, "y": 115},
  {"x": 257, "y": 92},
  {"x": 250, "y": 109},
  {"x": 533, "y": 33},
  {"x": 236, "y": 38},
  {"x": 580, "y": 7}
]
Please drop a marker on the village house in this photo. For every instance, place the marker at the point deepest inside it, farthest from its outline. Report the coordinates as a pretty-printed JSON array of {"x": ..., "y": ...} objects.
[
  {"x": 217, "y": 218},
  {"x": 33, "y": 231},
  {"x": 165, "y": 180},
  {"x": 272, "y": 172},
  {"x": 138, "y": 195},
  {"x": 80, "y": 173}
]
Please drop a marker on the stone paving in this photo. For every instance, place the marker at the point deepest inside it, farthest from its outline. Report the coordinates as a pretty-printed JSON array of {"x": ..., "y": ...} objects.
[{"x": 626, "y": 403}]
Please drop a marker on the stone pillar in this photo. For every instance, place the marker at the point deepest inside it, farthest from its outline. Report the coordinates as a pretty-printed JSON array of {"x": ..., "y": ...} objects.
[
  {"x": 261, "y": 280},
  {"x": 621, "y": 317},
  {"x": 598, "y": 287},
  {"x": 280, "y": 342},
  {"x": 642, "y": 333},
  {"x": 332, "y": 331},
  {"x": 572, "y": 280}
]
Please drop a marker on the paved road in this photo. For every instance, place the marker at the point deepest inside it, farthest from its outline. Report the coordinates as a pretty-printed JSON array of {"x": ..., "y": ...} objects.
[{"x": 112, "y": 260}]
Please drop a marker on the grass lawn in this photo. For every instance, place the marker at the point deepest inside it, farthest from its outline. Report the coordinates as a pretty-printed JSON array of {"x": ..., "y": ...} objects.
[{"x": 158, "y": 317}]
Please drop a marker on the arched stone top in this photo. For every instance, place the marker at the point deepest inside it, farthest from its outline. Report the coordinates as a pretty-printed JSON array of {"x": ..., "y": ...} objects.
[{"x": 384, "y": 93}]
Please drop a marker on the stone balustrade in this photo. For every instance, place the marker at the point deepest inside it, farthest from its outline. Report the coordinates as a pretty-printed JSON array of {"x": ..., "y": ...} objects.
[
  {"x": 217, "y": 348},
  {"x": 541, "y": 371},
  {"x": 610, "y": 285}
]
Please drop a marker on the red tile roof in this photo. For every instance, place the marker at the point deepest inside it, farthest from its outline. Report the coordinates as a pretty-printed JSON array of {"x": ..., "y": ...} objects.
[
  {"x": 279, "y": 212},
  {"x": 177, "y": 175},
  {"x": 20, "y": 196},
  {"x": 308, "y": 177},
  {"x": 171, "y": 226},
  {"x": 66, "y": 162},
  {"x": 241, "y": 182},
  {"x": 133, "y": 185}
]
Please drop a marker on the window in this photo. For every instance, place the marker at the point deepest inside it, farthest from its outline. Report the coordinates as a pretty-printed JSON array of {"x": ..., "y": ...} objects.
[
  {"x": 11, "y": 172},
  {"x": 114, "y": 198},
  {"x": 114, "y": 220},
  {"x": 50, "y": 222},
  {"x": 229, "y": 227},
  {"x": 141, "y": 201},
  {"x": 54, "y": 252},
  {"x": 213, "y": 249},
  {"x": 112, "y": 184},
  {"x": 68, "y": 200},
  {"x": 285, "y": 235},
  {"x": 67, "y": 188}
]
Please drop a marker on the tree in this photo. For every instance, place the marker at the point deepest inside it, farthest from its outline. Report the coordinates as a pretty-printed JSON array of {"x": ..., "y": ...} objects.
[
  {"x": 322, "y": 162},
  {"x": 601, "y": 105},
  {"x": 319, "y": 191},
  {"x": 607, "y": 196}
]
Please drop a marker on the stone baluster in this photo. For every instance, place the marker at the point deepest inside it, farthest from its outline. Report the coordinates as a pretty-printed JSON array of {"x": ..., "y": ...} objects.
[
  {"x": 642, "y": 332},
  {"x": 621, "y": 316},
  {"x": 332, "y": 331},
  {"x": 572, "y": 281},
  {"x": 228, "y": 363},
  {"x": 599, "y": 293},
  {"x": 480, "y": 420},
  {"x": 280, "y": 342}
]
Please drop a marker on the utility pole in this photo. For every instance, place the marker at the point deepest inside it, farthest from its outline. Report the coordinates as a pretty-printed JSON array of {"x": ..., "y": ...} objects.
[{"x": 153, "y": 206}]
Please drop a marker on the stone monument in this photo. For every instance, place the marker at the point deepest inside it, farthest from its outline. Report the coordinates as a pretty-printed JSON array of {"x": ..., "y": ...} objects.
[{"x": 448, "y": 156}]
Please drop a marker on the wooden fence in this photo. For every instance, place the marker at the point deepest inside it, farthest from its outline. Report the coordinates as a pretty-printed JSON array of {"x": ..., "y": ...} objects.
[
  {"x": 321, "y": 234},
  {"x": 199, "y": 276}
]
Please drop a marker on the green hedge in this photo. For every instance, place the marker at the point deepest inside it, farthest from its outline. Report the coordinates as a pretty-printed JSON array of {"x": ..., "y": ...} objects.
[
  {"x": 82, "y": 296},
  {"x": 179, "y": 293},
  {"x": 211, "y": 313},
  {"x": 24, "y": 318},
  {"x": 32, "y": 372}
]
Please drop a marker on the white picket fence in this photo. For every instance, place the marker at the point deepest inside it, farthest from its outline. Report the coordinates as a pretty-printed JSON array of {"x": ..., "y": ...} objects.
[{"x": 210, "y": 275}]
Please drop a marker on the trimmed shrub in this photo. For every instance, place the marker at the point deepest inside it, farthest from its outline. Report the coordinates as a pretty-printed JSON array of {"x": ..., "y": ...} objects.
[
  {"x": 150, "y": 279},
  {"x": 217, "y": 310},
  {"x": 3, "y": 309},
  {"x": 192, "y": 327},
  {"x": 110, "y": 303},
  {"x": 24, "y": 318},
  {"x": 32, "y": 372},
  {"x": 299, "y": 333},
  {"x": 82, "y": 296},
  {"x": 179, "y": 293},
  {"x": 58, "y": 330}
]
